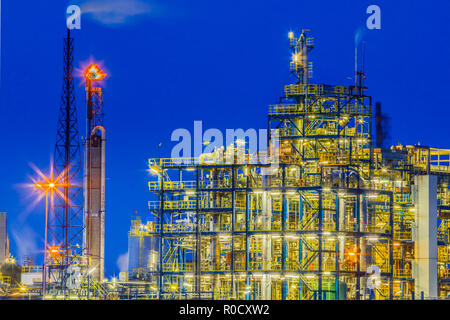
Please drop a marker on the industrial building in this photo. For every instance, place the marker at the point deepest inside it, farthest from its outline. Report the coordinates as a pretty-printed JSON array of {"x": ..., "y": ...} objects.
[
  {"x": 338, "y": 218},
  {"x": 325, "y": 213}
]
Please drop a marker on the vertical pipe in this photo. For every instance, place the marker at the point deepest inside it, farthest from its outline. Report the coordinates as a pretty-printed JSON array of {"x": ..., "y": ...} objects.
[
  {"x": 358, "y": 242},
  {"x": 337, "y": 244},
  {"x": 233, "y": 222},
  {"x": 320, "y": 245},
  {"x": 161, "y": 228},
  {"x": 197, "y": 239},
  {"x": 44, "y": 268},
  {"x": 391, "y": 253}
]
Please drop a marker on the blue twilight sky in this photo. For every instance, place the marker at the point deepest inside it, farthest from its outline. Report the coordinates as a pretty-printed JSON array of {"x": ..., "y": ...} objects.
[{"x": 223, "y": 62}]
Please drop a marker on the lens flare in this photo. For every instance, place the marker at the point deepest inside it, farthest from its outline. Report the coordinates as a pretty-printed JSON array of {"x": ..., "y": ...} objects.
[
  {"x": 92, "y": 70},
  {"x": 94, "y": 73}
]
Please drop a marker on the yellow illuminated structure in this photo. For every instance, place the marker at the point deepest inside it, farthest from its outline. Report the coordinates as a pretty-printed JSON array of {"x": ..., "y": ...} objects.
[
  {"x": 323, "y": 215},
  {"x": 336, "y": 219}
]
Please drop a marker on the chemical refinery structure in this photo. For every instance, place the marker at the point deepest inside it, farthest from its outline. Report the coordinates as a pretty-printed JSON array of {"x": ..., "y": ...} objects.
[
  {"x": 336, "y": 219},
  {"x": 322, "y": 215}
]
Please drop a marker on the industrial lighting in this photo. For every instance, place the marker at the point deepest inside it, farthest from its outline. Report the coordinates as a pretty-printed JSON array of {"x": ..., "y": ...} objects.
[
  {"x": 48, "y": 185},
  {"x": 291, "y": 35},
  {"x": 53, "y": 251},
  {"x": 94, "y": 73},
  {"x": 156, "y": 170}
]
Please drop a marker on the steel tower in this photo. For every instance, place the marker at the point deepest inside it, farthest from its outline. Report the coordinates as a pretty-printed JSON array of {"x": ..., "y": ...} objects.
[
  {"x": 65, "y": 223},
  {"x": 94, "y": 235}
]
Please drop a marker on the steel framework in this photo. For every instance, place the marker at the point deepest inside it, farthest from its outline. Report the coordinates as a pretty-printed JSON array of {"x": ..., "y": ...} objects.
[
  {"x": 334, "y": 220},
  {"x": 65, "y": 223}
]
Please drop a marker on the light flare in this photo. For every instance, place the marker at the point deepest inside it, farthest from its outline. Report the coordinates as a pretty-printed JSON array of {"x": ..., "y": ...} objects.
[
  {"x": 94, "y": 73},
  {"x": 90, "y": 68}
]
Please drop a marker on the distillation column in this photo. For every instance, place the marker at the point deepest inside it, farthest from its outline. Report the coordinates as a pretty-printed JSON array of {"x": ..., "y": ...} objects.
[
  {"x": 94, "y": 234},
  {"x": 425, "y": 237}
]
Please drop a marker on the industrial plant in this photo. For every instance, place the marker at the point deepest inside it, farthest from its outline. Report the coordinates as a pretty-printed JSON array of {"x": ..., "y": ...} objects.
[{"x": 325, "y": 213}]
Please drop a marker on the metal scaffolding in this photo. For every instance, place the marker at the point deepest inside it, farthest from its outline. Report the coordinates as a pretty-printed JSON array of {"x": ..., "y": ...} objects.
[
  {"x": 65, "y": 221},
  {"x": 334, "y": 220}
]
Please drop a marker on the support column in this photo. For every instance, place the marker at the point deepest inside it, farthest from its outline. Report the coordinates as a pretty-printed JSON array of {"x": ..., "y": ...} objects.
[{"x": 425, "y": 236}]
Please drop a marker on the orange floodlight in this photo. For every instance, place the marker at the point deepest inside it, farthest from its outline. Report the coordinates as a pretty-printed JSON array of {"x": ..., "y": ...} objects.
[
  {"x": 54, "y": 251},
  {"x": 94, "y": 73}
]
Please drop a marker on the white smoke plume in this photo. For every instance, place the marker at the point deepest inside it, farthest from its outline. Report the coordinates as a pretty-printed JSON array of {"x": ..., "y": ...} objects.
[
  {"x": 26, "y": 242},
  {"x": 122, "y": 262},
  {"x": 359, "y": 35},
  {"x": 115, "y": 12}
]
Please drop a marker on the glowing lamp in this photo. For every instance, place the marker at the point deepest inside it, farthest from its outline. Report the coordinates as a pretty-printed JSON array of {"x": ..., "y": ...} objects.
[
  {"x": 94, "y": 73},
  {"x": 53, "y": 251}
]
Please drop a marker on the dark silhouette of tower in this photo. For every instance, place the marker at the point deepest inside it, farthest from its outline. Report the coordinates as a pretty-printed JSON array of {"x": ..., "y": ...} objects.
[{"x": 382, "y": 126}]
